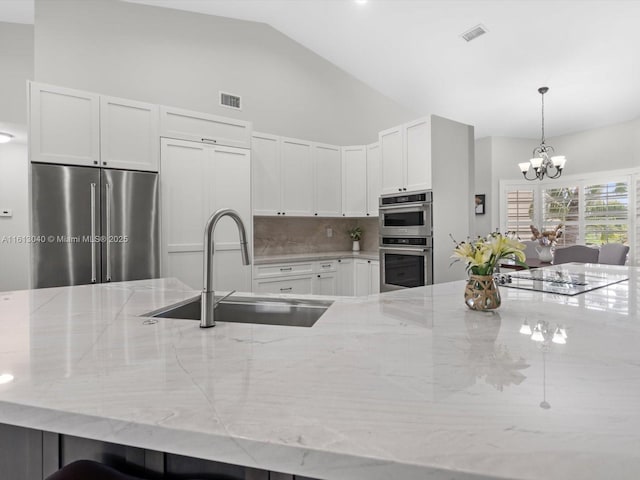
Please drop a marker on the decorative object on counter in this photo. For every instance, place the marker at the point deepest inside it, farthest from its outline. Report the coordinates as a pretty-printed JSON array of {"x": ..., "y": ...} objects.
[
  {"x": 547, "y": 240},
  {"x": 482, "y": 257},
  {"x": 356, "y": 234},
  {"x": 542, "y": 164}
]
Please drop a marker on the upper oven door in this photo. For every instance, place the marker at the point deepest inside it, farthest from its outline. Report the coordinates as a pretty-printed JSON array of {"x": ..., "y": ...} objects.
[{"x": 406, "y": 220}]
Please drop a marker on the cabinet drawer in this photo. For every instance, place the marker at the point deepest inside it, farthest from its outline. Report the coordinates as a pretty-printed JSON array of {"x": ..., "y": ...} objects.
[
  {"x": 283, "y": 269},
  {"x": 296, "y": 285},
  {"x": 202, "y": 127},
  {"x": 326, "y": 266}
]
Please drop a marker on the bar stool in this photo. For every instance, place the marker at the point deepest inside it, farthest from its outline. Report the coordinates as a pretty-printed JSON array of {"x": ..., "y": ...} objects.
[{"x": 89, "y": 470}]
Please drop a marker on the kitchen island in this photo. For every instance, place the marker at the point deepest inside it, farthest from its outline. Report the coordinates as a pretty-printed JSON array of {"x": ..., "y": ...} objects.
[{"x": 407, "y": 385}]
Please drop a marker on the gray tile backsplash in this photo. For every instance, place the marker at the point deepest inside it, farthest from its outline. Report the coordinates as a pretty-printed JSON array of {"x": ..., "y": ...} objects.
[{"x": 284, "y": 235}]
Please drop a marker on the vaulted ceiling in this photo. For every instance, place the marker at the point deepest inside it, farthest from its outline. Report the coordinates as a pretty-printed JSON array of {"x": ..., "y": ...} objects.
[{"x": 411, "y": 50}]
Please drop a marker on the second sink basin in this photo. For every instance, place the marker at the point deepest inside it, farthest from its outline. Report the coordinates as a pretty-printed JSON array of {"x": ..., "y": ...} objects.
[{"x": 259, "y": 310}]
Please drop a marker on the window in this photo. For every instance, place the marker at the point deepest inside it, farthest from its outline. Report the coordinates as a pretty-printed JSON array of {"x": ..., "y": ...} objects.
[
  {"x": 595, "y": 209},
  {"x": 561, "y": 205},
  {"x": 520, "y": 212},
  {"x": 606, "y": 214}
]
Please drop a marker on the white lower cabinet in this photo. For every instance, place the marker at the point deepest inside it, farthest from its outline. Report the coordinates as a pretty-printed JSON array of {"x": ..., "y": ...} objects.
[
  {"x": 301, "y": 285},
  {"x": 325, "y": 284},
  {"x": 346, "y": 281},
  {"x": 343, "y": 277},
  {"x": 367, "y": 277}
]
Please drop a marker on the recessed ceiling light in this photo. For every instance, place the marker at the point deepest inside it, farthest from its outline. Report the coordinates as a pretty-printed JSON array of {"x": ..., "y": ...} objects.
[
  {"x": 5, "y": 137},
  {"x": 361, "y": 2},
  {"x": 5, "y": 378}
]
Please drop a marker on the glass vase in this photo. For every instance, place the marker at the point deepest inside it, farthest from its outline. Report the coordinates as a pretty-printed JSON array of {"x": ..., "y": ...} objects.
[{"x": 481, "y": 293}]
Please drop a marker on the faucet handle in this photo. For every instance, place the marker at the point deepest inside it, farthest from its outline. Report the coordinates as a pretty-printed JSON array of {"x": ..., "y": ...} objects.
[{"x": 224, "y": 298}]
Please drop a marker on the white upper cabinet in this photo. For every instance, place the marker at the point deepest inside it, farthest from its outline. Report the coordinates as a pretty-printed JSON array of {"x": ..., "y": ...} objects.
[
  {"x": 406, "y": 157},
  {"x": 204, "y": 127},
  {"x": 129, "y": 134},
  {"x": 267, "y": 183},
  {"x": 393, "y": 165},
  {"x": 374, "y": 186},
  {"x": 328, "y": 180},
  {"x": 297, "y": 177},
  {"x": 64, "y": 126},
  {"x": 418, "y": 154},
  {"x": 354, "y": 181}
]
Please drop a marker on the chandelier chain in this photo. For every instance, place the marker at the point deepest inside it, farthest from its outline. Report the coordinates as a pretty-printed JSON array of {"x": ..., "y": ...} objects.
[{"x": 542, "y": 119}]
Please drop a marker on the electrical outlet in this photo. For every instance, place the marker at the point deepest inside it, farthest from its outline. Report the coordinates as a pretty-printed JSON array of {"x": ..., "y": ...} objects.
[{"x": 329, "y": 232}]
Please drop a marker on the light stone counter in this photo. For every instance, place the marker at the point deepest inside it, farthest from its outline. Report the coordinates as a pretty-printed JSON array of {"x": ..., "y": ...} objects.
[
  {"x": 403, "y": 385},
  {"x": 312, "y": 257}
]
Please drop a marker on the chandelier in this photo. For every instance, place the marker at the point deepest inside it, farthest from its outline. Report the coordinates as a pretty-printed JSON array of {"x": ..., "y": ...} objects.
[{"x": 542, "y": 163}]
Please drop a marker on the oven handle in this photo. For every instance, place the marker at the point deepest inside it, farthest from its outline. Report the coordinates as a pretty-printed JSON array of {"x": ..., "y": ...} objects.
[
  {"x": 404, "y": 205},
  {"x": 404, "y": 249}
]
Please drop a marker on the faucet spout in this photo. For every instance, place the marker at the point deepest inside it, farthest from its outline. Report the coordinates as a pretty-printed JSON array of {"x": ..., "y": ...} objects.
[{"x": 208, "y": 297}]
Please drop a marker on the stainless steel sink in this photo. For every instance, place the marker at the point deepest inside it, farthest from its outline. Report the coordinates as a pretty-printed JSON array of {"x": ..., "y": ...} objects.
[{"x": 260, "y": 310}]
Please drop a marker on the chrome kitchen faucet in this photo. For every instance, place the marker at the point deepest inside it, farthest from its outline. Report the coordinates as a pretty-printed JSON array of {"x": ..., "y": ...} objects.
[{"x": 208, "y": 297}]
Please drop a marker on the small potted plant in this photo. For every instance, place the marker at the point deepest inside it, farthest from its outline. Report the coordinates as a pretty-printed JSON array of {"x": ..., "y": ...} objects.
[{"x": 356, "y": 234}]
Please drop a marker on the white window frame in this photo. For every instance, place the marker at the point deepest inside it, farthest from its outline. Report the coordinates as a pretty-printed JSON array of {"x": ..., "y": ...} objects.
[{"x": 632, "y": 176}]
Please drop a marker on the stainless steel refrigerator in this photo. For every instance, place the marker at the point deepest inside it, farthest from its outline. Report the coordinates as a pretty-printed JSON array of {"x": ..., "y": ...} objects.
[{"x": 93, "y": 225}]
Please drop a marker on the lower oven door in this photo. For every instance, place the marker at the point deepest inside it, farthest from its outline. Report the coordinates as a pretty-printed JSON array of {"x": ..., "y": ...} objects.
[{"x": 405, "y": 267}]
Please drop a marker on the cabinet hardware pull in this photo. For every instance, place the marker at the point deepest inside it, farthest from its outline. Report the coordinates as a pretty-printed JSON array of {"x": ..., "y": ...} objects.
[
  {"x": 286, "y": 269},
  {"x": 209, "y": 140},
  {"x": 318, "y": 276},
  {"x": 326, "y": 266},
  {"x": 288, "y": 289},
  {"x": 93, "y": 233}
]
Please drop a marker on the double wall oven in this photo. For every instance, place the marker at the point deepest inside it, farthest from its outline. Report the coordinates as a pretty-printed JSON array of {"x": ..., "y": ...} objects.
[{"x": 406, "y": 243}]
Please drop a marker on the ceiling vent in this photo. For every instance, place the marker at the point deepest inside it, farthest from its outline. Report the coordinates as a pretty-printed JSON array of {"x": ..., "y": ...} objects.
[
  {"x": 474, "y": 33},
  {"x": 230, "y": 100}
]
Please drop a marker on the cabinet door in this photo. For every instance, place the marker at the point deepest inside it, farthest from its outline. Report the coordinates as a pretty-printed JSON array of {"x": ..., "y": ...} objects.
[
  {"x": 265, "y": 151},
  {"x": 392, "y": 158},
  {"x": 129, "y": 134},
  {"x": 64, "y": 126},
  {"x": 374, "y": 277},
  {"x": 346, "y": 280},
  {"x": 185, "y": 205},
  {"x": 325, "y": 284},
  {"x": 293, "y": 285},
  {"x": 328, "y": 180},
  {"x": 297, "y": 177},
  {"x": 373, "y": 179},
  {"x": 354, "y": 181},
  {"x": 204, "y": 127},
  {"x": 228, "y": 175},
  {"x": 362, "y": 277},
  {"x": 418, "y": 154}
]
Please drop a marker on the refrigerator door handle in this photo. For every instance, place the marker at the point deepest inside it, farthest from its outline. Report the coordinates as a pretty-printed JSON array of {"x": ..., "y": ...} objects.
[
  {"x": 108, "y": 232},
  {"x": 94, "y": 278}
]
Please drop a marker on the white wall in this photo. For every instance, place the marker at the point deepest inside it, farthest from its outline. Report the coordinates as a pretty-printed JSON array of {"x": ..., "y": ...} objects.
[
  {"x": 14, "y": 256},
  {"x": 452, "y": 153},
  {"x": 183, "y": 59},
  {"x": 483, "y": 185},
  {"x": 16, "y": 60}
]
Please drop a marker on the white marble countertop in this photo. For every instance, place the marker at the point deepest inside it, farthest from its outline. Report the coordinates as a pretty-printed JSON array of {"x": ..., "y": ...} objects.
[
  {"x": 407, "y": 385},
  {"x": 310, "y": 257}
]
